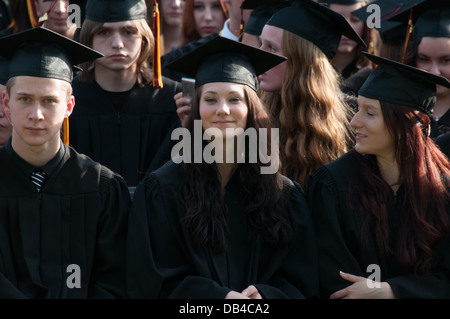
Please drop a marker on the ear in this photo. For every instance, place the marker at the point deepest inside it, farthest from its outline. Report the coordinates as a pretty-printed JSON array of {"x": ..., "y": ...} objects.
[
  {"x": 5, "y": 106},
  {"x": 70, "y": 106},
  {"x": 5, "y": 98}
]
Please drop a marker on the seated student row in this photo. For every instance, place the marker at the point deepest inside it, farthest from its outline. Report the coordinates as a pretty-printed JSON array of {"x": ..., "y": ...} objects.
[{"x": 234, "y": 284}]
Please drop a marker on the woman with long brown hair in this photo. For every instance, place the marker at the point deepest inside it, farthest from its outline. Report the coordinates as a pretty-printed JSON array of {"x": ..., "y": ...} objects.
[
  {"x": 303, "y": 94},
  {"x": 381, "y": 211},
  {"x": 218, "y": 226}
]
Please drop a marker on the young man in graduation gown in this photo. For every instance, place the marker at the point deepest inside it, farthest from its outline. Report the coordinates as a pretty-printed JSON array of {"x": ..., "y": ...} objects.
[
  {"x": 63, "y": 216},
  {"x": 122, "y": 119},
  {"x": 222, "y": 229}
]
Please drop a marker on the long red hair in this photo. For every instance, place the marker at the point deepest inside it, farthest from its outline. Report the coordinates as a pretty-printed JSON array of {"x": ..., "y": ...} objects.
[
  {"x": 189, "y": 28},
  {"x": 425, "y": 172}
]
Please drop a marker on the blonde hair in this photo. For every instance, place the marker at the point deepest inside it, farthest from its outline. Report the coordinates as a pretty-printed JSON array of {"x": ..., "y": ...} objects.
[
  {"x": 144, "y": 73},
  {"x": 314, "y": 119}
]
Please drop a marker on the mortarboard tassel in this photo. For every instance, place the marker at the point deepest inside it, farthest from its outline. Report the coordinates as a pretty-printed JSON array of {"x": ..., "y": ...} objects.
[
  {"x": 65, "y": 129},
  {"x": 241, "y": 25},
  {"x": 371, "y": 50},
  {"x": 156, "y": 63},
  {"x": 408, "y": 33},
  {"x": 32, "y": 13}
]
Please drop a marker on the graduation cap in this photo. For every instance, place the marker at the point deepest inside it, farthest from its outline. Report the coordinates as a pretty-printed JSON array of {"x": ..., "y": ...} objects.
[
  {"x": 409, "y": 14},
  {"x": 391, "y": 32},
  {"x": 414, "y": 8},
  {"x": 315, "y": 23},
  {"x": 262, "y": 12},
  {"x": 434, "y": 22},
  {"x": 3, "y": 71},
  {"x": 224, "y": 60},
  {"x": 41, "y": 52},
  {"x": 429, "y": 18},
  {"x": 402, "y": 84},
  {"x": 115, "y": 10}
]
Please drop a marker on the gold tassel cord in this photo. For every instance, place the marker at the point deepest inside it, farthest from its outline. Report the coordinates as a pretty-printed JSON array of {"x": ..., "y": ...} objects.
[
  {"x": 241, "y": 25},
  {"x": 371, "y": 50},
  {"x": 156, "y": 62},
  {"x": 408, "y": 34},
  {"x": 66, "y": 131},
  {"x": 32, "y": 14}
]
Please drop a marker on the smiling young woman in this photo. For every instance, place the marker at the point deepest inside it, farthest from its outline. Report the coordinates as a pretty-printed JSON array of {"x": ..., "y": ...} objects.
[
  {"x": 200, "y": 218},
  {"x": 372, "y": 205},
  {"x": 429, "y": 49}
]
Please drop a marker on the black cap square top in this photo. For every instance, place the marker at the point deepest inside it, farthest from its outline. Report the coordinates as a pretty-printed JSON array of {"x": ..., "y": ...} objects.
[
  {"x": 402, "y": 84},
  {"x": 391, "y": 32},
  {"x": 224, "y": 60},
  {"x": 41, "y": 52},
  {"x": 262, "y": 12},
  {"x": 316, "y": 23},
  {"x": 115, "y": 10},
  {"x": 430, "y": 18}
]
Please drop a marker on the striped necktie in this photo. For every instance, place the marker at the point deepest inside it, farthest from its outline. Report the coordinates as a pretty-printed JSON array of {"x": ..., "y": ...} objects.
[{"x": 38, "y": 178}]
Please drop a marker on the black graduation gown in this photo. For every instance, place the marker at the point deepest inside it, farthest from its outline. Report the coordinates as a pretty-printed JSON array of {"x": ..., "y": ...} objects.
[
  {"x": 80, "y": 218},
  {"x": 163, "y": 263},
  {"x": 441, "y": 126},
  {"x": 340, "y": 245},
  {"x": 349, "y": 70},
  {"x": 130, "y": 142},
  {"x": 443, "y": 141},
  {"x": 353, "y": 83}
]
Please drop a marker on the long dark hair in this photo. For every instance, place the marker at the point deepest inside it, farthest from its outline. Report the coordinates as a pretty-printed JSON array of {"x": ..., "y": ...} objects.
[
  {"x": 411, "y": 49},
  {"x": 21, "y": 19},
  {"x": 205, "y": 217},
  {"x": 424, "y": 170},
  {"x": 190, "y": 33}
]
